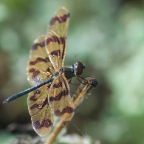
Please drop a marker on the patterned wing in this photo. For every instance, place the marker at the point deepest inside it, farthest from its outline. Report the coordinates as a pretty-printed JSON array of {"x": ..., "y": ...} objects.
[
  {"x": 39, "y": 67},
  {"x": 40, "y": 111},
  {"x": 56, "y": 38},
  {"x": 59, "y": 98}
]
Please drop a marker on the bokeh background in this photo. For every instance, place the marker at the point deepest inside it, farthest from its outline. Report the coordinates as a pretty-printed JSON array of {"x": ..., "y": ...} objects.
[{"x": 106, "y": 35}]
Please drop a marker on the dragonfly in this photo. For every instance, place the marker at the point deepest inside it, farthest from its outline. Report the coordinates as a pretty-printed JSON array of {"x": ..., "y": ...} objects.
[{"x": 49, "y": 78}]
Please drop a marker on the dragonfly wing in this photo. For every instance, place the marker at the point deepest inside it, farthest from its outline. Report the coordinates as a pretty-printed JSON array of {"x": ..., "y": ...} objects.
[
  {"x": 59, "y": 98},
  {"x": 40, "y": 110},
  {"x": 39, "y": 66},
  {"x": 55, "y": 39},
  {"x": 47, "y": 57}
]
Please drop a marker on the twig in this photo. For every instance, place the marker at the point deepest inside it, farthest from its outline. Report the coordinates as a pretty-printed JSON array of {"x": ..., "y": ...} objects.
[{"x": 83, "y": 88}]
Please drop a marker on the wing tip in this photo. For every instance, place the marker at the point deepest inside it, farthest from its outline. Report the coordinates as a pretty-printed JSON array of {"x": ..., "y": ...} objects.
[
  {"x": 42, "y": 128},
  {"x": 60, "y": 16}
]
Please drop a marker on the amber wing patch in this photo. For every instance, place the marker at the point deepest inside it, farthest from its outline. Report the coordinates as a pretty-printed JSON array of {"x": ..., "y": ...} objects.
[
  {"x": 39, "y": 67},
  {"x": 59, "y": 97},
  {"x": 40, "y": 110},
  {"x": 56, "y": 38}
]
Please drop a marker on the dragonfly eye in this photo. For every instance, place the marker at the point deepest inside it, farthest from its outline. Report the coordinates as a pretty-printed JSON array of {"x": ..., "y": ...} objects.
[{"x": 79, "y": 68}]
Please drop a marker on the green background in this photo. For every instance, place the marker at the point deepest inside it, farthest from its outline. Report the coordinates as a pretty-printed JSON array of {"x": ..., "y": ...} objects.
[{"x": 108, "y": 37}]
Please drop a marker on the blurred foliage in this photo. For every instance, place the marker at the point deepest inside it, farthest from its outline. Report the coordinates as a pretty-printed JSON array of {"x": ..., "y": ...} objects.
[{"x": 108, "y": 36}]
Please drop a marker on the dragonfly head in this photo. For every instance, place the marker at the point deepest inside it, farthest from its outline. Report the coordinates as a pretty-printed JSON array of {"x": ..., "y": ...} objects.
[{"x": 78, "y": 68}]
